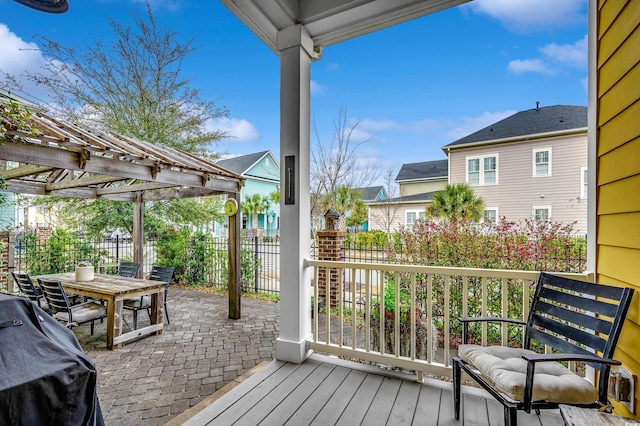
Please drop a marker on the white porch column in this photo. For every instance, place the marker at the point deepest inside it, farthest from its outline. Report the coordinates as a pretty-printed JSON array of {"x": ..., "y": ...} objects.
[{"x": 296, "y": 53}]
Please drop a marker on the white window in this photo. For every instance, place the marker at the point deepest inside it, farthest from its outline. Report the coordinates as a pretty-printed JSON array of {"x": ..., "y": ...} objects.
[
  {"x": 584, "y": 188},
  {"x": 490, "y": 215},
  {"x": 542, "y": 162},
  {"x": 542, "y": 213},
  {"x": 482, "y": 170},
  {"x": 412, "y": 216}
]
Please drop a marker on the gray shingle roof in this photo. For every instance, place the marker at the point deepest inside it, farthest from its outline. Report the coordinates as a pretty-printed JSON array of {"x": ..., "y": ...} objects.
[
  {"x": 424, "y": 196},
  {"x": 424, "y": 170},
  {"x": 530, "y": 122},
  {"x": 241, "y": 163},
  {"x": 370, "y": 193}
]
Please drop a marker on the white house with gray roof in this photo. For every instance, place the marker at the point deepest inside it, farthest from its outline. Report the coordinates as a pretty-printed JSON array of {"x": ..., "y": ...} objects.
[
  {"x": 532, "y": 164},
  {"x": 417, "y": 182}
]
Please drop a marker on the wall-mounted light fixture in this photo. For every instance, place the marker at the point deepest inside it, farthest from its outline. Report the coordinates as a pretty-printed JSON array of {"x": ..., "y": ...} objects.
[{"x": 48, "y": 6}]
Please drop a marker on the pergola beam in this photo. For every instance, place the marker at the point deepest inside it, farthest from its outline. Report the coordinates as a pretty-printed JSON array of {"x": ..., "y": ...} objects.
[{"x": 59, "y": 158}]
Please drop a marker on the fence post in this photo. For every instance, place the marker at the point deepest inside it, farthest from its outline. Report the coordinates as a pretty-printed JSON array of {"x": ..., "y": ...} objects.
[
  {"x": 118, "y": 248},
  {"x": 257, "y": 260}
]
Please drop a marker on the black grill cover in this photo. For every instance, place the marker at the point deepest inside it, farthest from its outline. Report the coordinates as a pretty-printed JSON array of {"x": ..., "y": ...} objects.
[{"x": 45, "y": 377}]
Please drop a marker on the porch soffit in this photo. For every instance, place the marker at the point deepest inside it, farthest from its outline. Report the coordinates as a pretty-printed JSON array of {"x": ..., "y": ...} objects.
[
  {"x": 329, "y": 21},
  {"x": 67, "y": 160}
]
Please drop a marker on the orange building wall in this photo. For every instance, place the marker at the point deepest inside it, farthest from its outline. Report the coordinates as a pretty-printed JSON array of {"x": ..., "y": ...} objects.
[{"x": 617, "y": 115}]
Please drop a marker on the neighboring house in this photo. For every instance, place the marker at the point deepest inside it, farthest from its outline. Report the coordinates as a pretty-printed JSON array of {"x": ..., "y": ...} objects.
[
  {"x": 419, "y": 178},
  {"x": 394, "y": 213},
  {"x": 262, "y": 174},
  {"x": 532, "y": 164},
  {"x": 417, "y": 182},
  {"x": 370, "y": 195},
  {"x": 15, "y": 213}
]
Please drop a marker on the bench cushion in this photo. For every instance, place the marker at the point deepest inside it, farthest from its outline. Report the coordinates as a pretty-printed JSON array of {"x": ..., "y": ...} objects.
[{"x": 506, "y": 371}]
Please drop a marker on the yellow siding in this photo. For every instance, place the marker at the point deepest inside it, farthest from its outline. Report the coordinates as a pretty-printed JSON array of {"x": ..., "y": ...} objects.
[
  {"x": 624, "y": 128},
  {"x": 622, "y": 196},
  {"x": 620, "y": 163},
  {"x": 623, "y": 42},
  {"x": 610, "y": 224},
  {"x": 623, "y": 93},
  {"x": 618, "y": 170}
]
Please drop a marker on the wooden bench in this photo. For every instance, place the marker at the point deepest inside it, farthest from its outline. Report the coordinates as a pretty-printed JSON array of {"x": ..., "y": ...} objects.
[{"x": 580, "y": 321}]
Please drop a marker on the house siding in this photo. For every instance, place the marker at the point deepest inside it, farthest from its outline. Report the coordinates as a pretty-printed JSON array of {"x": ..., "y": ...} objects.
[
  {"x": 617, "y": 247},
  {"x": 518, "y": 191},
  {"x": 420, "y": 187},
  {"x": 378, "y": 215}
]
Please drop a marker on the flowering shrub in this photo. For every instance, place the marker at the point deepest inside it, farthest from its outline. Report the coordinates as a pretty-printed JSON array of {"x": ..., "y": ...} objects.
[{"x": 526, "y": 245}]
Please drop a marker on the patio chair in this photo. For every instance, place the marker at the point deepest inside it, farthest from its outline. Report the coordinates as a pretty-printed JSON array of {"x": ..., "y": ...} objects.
[
  {"x": 128, "y": 269},
  {"x": 580, "y": 321},
  {"x": 71, "y": 315},
  {"x": 26, "y": 286},
  {"x": 158, "y": 273}
]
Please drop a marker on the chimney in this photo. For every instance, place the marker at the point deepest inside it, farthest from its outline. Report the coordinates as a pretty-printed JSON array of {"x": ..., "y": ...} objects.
[{"x": 537, "y": 105}]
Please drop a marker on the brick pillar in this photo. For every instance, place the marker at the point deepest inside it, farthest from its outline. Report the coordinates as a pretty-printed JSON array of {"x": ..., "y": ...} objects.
[
  {"x": 6, "y": 260},
  {"x": 330, "y": 247}
]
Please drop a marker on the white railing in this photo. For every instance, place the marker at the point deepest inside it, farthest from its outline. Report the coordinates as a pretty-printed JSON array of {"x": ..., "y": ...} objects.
[{"x": 423, "y": 341}]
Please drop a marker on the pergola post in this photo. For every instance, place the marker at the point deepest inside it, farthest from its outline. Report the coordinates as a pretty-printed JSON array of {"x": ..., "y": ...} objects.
[
  {"x": 138, "y": 231},
  {"x": 235, "y": 272},
  {"x": 296, "y": 53}
]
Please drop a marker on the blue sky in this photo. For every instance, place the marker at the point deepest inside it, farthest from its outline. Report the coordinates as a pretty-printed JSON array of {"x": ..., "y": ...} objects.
[{"x": 411, "y": 88}]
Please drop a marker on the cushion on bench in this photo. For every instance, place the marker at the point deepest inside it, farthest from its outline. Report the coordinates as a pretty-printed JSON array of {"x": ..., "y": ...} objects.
[{"x": 505, "y": 369}]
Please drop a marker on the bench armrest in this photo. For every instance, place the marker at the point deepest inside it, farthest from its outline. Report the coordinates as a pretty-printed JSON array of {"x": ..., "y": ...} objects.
[{"x": 466, "y": 320}]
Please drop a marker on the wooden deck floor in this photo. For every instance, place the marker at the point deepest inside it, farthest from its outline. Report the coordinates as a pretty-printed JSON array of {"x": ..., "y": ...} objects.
[{"x": 329, "y": 391}]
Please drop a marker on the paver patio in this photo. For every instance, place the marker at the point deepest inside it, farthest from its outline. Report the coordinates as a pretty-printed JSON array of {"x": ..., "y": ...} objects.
[{"x": 154, "y": 379}]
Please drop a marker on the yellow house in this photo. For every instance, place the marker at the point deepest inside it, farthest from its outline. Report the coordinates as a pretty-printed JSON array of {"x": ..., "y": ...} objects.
[{"x": 614, "y": 153}]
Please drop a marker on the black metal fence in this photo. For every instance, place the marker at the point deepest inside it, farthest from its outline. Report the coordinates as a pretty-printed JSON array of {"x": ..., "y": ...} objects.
[
  {"x": 200, "y": 261},
  {"x": 204, "y": 260}
]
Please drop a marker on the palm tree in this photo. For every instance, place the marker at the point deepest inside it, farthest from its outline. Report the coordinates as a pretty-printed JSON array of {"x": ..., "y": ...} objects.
[
  {"x": 254, "y": 205},
  {"x": 457, "y": 203}
]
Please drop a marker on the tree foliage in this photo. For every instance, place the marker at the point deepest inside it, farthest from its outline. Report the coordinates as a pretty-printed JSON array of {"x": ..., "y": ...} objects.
[
  {"x": 100, "y": 216},
  {"x": 457, "y": 203},
  {"x": 132, "y": 85},
  {"x": 253, "y": 205},
  {"x": 336, "y": 165}
]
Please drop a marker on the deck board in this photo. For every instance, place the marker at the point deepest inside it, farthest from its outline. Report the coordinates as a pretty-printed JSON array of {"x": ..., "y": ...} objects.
[
  {"x": 328, "y": 391},
  {"x": 361, "y": 401},
  {"x": 403, "y": 408},
  {"x": 382, "y": 403},
  {"x": 314, "y": 404},
  {"x": 331, "y": 412}
]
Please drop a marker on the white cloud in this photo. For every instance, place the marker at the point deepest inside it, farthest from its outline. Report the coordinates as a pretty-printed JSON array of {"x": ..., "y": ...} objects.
[
  {"x": 519, "y": 66},
  {"x": 531, "y": 15},
  {"x": 473, "y": 124},
  {"x": 554, "y": 58},
  {"x": 317, "y": 89},
  {"x": 573, "y": 55},
  {"x": 16, "y": 58},
  {"x": 377, "y": 125},
  {"x": 239, "y": 130}
]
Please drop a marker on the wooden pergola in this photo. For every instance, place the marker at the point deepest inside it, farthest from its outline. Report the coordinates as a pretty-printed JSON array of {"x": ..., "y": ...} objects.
[{"x": 69, "y": 160}]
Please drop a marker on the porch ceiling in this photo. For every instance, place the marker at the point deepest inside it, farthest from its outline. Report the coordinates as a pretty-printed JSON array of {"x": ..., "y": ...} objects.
[
  {"x": 68, "y": 160},
  {"x": 330, "y": 21}
]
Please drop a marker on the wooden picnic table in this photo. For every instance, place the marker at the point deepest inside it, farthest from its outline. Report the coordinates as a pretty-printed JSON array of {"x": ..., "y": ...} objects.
[{"x": 114, "y": 289}]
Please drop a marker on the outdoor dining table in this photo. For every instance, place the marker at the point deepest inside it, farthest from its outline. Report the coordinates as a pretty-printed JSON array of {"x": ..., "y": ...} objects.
[{"x": 114, "y": 289}]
